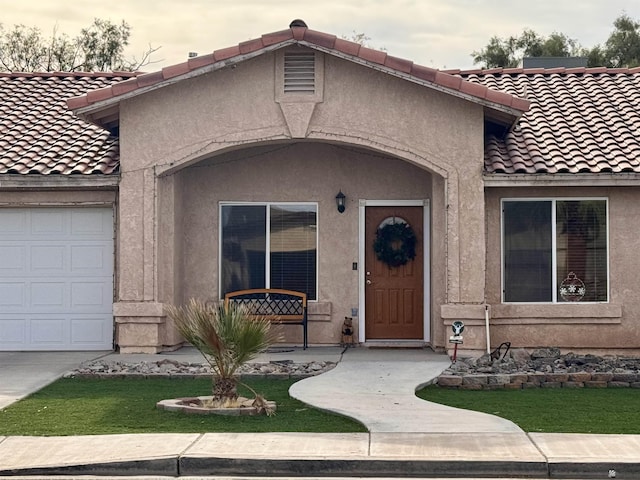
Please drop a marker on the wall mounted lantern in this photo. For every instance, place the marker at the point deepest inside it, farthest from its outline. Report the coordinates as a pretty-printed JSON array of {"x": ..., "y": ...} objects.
[{"x": 340, "y": 201}]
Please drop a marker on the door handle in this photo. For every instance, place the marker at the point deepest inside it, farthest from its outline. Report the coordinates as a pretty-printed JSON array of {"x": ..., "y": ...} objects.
[{"x": 368, "y": 282}]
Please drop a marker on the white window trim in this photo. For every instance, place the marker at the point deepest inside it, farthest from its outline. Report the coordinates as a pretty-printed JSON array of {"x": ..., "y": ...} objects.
[
  {"x": 268, "y": 240},
  {"x": 554, "y": 279}
]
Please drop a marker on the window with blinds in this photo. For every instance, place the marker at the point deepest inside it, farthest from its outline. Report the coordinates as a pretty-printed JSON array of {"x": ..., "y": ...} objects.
[
  {"x": 293, "y": 247},
  {"x": 299, "y": 73},
  {"x": 555, "y": 250},
  {"x": 269, "y": 246}
]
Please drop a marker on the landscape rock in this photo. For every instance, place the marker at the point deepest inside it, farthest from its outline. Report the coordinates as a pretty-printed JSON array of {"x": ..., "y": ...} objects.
[
  {"x": 279, "y": 369},
  {"x": 520, "y": 356},
  {"x": 546, "y": 368},
  {"x": 551, "y": 352}
]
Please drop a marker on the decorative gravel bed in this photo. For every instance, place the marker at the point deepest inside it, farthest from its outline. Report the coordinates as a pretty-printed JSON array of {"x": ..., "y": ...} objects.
[
  {"x": 172, "y": 368},
  {"x": 543, "y": 368}
]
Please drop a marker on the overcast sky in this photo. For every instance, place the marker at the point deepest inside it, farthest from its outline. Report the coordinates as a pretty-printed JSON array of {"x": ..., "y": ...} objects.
[{"x": 435, "y": 33}]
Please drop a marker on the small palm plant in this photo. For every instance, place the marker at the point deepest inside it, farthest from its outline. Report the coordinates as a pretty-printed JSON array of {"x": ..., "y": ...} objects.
[{"x": 227, "y": 337}]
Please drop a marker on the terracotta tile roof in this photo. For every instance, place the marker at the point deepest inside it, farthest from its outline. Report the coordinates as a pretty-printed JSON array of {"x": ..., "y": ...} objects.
[
  {"x": 581, "y": 120},
  {"x": 38, "y": 133},
  {"x": 312, "y": 39}
]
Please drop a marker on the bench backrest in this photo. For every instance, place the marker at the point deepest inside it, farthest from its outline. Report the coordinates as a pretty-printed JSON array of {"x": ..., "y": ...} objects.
[{"x": 274, "y": 304}]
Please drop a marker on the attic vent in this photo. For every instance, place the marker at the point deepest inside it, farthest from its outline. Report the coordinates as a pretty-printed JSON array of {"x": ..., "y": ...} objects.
[{"x": 299, "y": 73}]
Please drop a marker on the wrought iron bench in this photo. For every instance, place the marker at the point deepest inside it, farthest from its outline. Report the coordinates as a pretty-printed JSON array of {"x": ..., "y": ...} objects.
[{"x": 284, "y": 307}]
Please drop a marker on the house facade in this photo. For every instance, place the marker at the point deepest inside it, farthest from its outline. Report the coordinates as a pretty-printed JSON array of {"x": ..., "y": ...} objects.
[{"x": 519, "y": 204}]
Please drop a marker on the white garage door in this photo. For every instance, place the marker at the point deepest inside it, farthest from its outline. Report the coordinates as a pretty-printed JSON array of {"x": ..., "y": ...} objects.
[{"x": 56, "y": 279}]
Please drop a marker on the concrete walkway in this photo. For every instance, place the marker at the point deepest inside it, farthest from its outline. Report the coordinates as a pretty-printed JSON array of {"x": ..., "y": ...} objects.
[
  {"x": 377, "y": 388},
  {"x": 407, "y": 438},
  {"x": 22, "y": 373}
]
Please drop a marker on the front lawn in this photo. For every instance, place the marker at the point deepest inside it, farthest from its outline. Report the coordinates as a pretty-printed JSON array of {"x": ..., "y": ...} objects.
[
  {"x": 566, "y": 410},
  {"x": 106, "y": 406},
  {"x": 75, "y": 406}
]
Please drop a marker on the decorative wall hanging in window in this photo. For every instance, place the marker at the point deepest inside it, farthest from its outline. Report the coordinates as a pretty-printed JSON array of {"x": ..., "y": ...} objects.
[
  {"x": 572, "y": 289},
  {"x": 395, "y": 242}
]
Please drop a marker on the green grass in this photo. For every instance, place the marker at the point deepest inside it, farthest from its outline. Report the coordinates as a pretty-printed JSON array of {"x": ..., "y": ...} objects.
[
  {"x": 565, "y": 410},
  {"x": 107, "y": 406}
]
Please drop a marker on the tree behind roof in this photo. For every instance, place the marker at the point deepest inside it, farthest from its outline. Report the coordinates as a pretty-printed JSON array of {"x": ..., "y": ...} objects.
[
  {"x": 622, "y": 48},
  {"x": 99, "y": 47}
]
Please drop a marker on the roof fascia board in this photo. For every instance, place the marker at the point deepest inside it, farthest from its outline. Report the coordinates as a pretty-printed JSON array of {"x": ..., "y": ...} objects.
[
  {"x": 405, "y": 76},
  {"x": 59, "y": 182},
  {"x": 563, "y": 180},
  {"x": 95, "y": 107}
]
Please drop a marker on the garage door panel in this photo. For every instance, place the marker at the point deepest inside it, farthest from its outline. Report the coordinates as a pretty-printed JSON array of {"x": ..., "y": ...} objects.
[
  {"x": 13, "y": 331},
  {"x": 51, "y": 258},
  {"x": 13, "y": 258},
  {"x": 87, "y": 332},
  {"x": 91, "y": 296},
  {"x": 88, "y": 224},
  {"x": 48, "y": 295},
  {"x": 14, "y": 221},
  {"x": 51, "y": 330},
  {"x": 90, "y": 259},
  {"x": 50, "y": 222},
  {"x": 12, "y": 295},
  {"x": 56, "y": 272}
]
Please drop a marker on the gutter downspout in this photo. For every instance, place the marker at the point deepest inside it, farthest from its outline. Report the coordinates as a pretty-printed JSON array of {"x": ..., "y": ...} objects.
[{"x": 486, "y": 323}]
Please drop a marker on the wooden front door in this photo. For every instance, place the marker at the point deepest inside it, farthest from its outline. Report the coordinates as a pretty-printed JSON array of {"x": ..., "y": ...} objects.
[{"x": 394, "y": 296}]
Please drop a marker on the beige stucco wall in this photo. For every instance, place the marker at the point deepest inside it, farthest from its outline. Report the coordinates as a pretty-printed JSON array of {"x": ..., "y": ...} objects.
[
  {"x": 229, "y": 112},
  {"x": 590, "y": 327},
  {"x": 309, "y": 172}
]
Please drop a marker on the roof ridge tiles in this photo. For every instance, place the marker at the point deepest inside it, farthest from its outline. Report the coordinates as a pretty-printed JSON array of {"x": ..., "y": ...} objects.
[
  {"x": 226, "y": 53},
  {"x": 277, "y": 37},
  {"x": 176, "y": 70},
  {"x": 201, "y": 61},
  {"x": 489, "y": 71},
  {"x": 298, "y": 32},
  {"x": 319, "y": 38},
  {"x": 314, "y": 38},
  {"x": 347, "y": 47},
  {"x": 372, "y": 55},
  {"x": 399, "y": 64},
  {"x": 250, "y": 46}
]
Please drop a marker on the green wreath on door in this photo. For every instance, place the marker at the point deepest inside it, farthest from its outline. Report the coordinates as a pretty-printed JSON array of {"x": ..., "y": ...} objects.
[{"x": 395, "y": 244}]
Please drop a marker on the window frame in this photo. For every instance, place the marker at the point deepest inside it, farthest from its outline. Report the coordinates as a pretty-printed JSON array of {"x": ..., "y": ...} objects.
[
  {"x": 554, "y": 247},
  {"x": 267, "y": 206}
]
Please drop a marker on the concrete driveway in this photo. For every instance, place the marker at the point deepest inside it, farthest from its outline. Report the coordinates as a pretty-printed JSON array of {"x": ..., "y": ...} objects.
[{"x": 22, "y": 373}]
